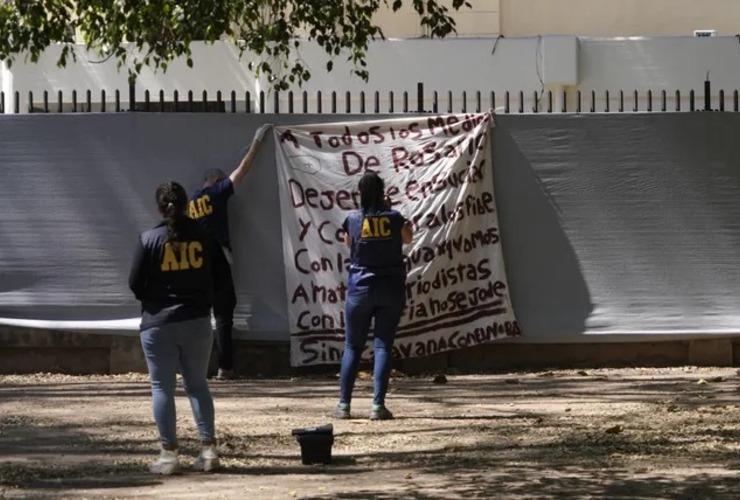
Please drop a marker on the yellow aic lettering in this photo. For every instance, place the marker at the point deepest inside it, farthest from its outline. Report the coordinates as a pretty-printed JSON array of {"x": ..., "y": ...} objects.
[
  {"x": 200, "y": 207},
  {"x": 191, "y": 256},
  {"x": 376, "y": 227}
]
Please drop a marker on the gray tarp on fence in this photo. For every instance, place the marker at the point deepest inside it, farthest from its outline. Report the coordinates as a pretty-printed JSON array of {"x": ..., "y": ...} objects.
[{"x": 611, "y": 224}]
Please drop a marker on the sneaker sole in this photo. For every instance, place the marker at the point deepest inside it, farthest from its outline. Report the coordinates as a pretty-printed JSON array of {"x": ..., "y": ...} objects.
[{"x": 210, "y": 465}]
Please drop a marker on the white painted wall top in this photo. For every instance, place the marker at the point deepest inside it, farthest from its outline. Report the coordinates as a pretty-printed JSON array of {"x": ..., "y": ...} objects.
[{"x": 456, "y": 65}]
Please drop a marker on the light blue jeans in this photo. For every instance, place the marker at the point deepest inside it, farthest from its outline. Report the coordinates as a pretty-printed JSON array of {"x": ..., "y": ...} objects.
[{"x": 187, "y": 345}]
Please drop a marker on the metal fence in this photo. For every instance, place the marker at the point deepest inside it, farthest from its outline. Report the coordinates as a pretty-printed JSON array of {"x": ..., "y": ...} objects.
[{"x": 372, "y": 102}]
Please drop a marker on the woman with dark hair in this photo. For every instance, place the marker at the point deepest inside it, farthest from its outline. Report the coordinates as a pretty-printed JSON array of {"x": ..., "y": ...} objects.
[
  {"x": 376, "y": 290},
  {"x": 175, "y": 267}
]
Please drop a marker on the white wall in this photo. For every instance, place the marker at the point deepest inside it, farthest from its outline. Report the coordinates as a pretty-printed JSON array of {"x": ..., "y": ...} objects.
[{"x": 457, "y": 65}]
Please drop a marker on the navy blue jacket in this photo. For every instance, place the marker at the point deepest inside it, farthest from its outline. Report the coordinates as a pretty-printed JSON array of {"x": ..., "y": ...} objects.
[{"x": 175, "y": 284}]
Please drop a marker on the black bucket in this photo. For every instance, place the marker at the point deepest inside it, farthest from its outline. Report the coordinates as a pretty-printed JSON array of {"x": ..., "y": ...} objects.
[{"x": 316, "y": 443}]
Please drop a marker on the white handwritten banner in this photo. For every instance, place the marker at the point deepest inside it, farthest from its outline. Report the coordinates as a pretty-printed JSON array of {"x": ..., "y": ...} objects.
[{"x": 438, "y": 174}]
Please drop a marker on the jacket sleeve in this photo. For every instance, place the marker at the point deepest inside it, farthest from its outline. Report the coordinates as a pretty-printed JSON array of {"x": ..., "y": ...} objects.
[{"x": 137, "y": 277}]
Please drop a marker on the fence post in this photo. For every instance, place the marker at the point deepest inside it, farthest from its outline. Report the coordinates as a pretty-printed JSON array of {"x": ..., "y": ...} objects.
[
  {"x": 117, "y": 98},
  {"x": 304, "y": 101},
  {"x": 435, "y": 102},
  {"x": 606, "y": 104},
  {"x": 348, "y": 102},
  {"x": 205, "y": 101},
  {"x": 721, "y": 100},
  {"x": 464, "y": 102},
  {"x": 176, "y": 99},
  {"x": 102, "y": 101},
  {"x": 333, "y": 101},
  {"x": 290, "y": 102},
  {"x": 506, "y": 102},
  {"x": 233, "y": 101},
  {"x": 17, "y": 105},
  {"x": 46, "y": 101},
  {"x": 276, "y": 102},
  {"x": 549, "y": 101},
  {"x": 593, "y": 101},
  {"x": 161, "y": 101},
  {"x": 131, "y": 96},
  {"x": 74, "y": 101},
  {"x": 678, "y": 100},
  {"x": 692, "y": 106},
  {"x": 362, "y": 102},
  {"x": 521, "y": 102},
  {"x": 734, "y": 100},
  {"x": 477, "y": 101},
  {"x": 30, "y": 101},
  {"x": 578, "y": 102},
  {"x": 420, "y": 97},
  {"x": 650, "y": 100},
  {"x": 707, "y": 95},
  {"x": 319, "y": 102},
  {"x": 536, "y": 107},
  {"x": 621, "y": 101}
]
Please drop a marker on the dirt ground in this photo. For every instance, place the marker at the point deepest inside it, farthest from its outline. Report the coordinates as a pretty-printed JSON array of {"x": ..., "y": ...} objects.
[{"x": 608, "y": 433}]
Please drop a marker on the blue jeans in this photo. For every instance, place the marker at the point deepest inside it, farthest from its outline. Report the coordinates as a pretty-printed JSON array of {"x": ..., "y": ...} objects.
[
  {"x": 187, "y": 345},
  {"x": 361, "y": 308}
]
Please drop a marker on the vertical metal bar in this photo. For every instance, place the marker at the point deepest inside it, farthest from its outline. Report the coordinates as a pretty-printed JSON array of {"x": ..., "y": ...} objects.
[
  {"x": 2, "y": 103},
  {"x": 319, "y": 102},
  {"x": 88, "y": 98},
  {"x": 191, "y": 105},
  {"x": 290, "y": 102},
  {"x": 390, "y": 102},
  {"x": 636, "y": 107},
  {"x": 205, "y": 101},
  {"x": 663, "y": 100},
  {"x": 564, "y": 102},
  {"x": 435, "y": 102},
  {"x": 131, "y": 96},
  {"x": 30, "y": 101},
  {"x": 593, "y": 101},
  {"x": 650, "y": 100},
  {"x": 60, "y": 102},
  {"x": 493, "y": 100},
  {"x": 464, "y": 102},
  {"x": 734, "y": 101},
  {"x": 276, "y": 102},
  {"x": 17, "y": 105},
  {"x": 248, "y": 102},
  {"x": 721, "y": 100},
  {"x": 262, "y": 101},
  {"x": 117, "y": 97},
  {"x": 606, "y": 104},
  {"x": 233, "y": 101},
  {"x": 478, "y": 106},
  {"x": 449, "y": 101},
  {"x": 621, "y": 101},
  {"x": 707, "y": 95},
  {"x": 420, "y": 97},
  {"x": 304, "y": 102},
  {"x": 161, "y": 101},
  {"x": 578, "y": 101},
  {"x": 176, "y": 99},
  {"x": 405, "y": 102},
  {"x": 46, "y": 101},
  {"x": 219, "y": 101},
  {"x": 521, "y": 102},
  {"x": 506, "y": 102},
  {"x": 678, "y": 100},
  {"x": 376, "y": 104},
  {"x": 549, "y": 101},
  {"x": 692, "y": 106},
  {"x": 536, "y": 106},
  {"x": 348, "y": 102},
  {"x": 102, "y": 101},
  {"x": 146, "y": 100},
  {"x": 333, "y": 102},
  {"x": 74, "y": 101},
  {"x": 362, "y": 102}
]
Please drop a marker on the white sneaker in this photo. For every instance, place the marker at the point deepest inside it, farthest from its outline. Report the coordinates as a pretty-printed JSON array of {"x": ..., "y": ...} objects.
[
  {"x": 167, "y": 464},
  {"x": 207, "y": 461}
]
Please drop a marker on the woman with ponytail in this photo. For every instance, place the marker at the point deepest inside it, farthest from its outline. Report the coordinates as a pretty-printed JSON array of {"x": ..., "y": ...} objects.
[
  {"x": 175, "y": 267},
  {"x": 376, "y": 290}
]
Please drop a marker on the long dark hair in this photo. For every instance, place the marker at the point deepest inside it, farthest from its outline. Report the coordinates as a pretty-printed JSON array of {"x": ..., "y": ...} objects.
[
  {"x": 372, "y": 192},
  {"x": 172, "y": 200}
]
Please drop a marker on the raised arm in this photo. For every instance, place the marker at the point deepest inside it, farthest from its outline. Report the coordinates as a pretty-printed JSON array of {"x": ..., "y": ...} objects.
[{"x": 246, "y": 164}]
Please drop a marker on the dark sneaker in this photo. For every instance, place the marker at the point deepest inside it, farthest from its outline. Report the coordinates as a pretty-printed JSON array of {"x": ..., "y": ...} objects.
[
  {"x": 381, "y": 413},
  {"x": 341, "y": 411}
]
